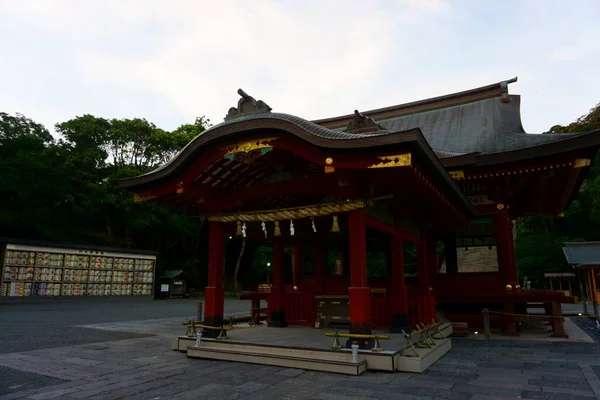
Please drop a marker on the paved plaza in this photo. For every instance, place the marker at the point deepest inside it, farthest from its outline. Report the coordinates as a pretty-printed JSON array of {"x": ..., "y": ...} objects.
[{"x": 120, "y": 349}]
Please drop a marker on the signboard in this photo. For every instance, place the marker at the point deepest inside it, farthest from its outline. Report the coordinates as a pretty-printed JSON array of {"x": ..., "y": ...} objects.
[{"x": 164, "y": 287}]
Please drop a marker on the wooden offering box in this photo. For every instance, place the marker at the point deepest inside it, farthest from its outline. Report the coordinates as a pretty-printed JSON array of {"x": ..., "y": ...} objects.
[{"x": 333, "y": 311}]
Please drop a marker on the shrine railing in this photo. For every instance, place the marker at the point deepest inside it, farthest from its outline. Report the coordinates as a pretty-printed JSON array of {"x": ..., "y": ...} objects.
[
  {"x": 300, "y": 308},
  {"x": 381, "y": 311},
  {"x": 421, "y": 309}
]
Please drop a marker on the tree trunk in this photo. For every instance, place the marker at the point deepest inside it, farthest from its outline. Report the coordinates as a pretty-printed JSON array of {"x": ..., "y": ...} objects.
[{"x": 236, "y": 284}]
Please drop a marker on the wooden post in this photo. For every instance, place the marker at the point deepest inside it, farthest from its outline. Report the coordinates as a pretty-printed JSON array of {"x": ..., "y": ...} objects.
[
  {"x": 399, "y": 304},
  {"x": 593, "y": 290},
  {"x": 277, "y": 299},
  {"x": 550, "y": 281},
  {"x": 359, "y": 293},
  {"x": 582, "y": 291},
  {"x": 505, "y": 248},
  {"x": 320, "y": 270},
  {"x": 423, "y": 266},
  {"x": 450, "y": 255},
  {"x": 486, "y": 323},
  {"x": 570, "y": 288},
  {"x": 298, "y": 264},
  {"x": 213, "y": 314}
]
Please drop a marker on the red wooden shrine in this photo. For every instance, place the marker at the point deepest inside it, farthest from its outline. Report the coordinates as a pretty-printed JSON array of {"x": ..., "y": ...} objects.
[{"x": 456, "y": 170}]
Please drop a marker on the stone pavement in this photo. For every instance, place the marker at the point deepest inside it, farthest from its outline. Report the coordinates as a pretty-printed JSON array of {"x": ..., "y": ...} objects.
[{"x": 144, "y": 367}]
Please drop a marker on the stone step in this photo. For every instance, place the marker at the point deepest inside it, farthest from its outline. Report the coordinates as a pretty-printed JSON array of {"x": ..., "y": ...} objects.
[{"x": 325, "y": 361}]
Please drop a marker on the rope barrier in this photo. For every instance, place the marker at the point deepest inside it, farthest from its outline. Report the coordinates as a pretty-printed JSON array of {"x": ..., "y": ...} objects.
[{"x": 540, "y": 316}]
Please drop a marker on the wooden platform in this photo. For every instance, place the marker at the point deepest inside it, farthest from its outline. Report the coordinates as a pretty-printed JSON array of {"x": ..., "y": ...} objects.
[{"x": 307, "y": 348}]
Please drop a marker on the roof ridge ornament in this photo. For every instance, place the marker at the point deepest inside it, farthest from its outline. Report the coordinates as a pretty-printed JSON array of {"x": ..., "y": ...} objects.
[
  {"x": 363, "y": 124},
  {"x": 504, "y": 89},
  {"x": 247, "y": 105}
]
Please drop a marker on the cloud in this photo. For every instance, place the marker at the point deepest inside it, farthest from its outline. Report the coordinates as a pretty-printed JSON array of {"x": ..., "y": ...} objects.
[{"x": 172, "y": 61}]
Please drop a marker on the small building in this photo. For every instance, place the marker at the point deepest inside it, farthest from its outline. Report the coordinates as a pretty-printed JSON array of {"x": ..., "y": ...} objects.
[
  {"x": 585, "y": 257},
  {"x": 32, "y": 268},
  {"x": 173, "y": 283}
]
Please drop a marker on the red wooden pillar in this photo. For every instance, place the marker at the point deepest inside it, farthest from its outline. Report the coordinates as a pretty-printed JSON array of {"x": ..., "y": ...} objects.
[
  {"x": 320, "y": 270},
  {"x": 213, "y": 295},
  {"x": 450, "y": 255},
  {"x": 298, "y": 264},
  {"x": 423, "y": 266},
  {"x": 507, "y": 266},
  {"x": 359, "y": 292},
  {"x": 277, "y": 299},
  {"x": 505, "y": 247},
  {"x": 399, "y": 294}
]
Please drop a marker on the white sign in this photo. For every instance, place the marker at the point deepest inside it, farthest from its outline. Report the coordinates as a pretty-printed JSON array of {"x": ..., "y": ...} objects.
[{"x": 164, "y": 287}]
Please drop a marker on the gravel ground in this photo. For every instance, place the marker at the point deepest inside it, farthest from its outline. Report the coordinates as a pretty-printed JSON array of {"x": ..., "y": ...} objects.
[{"x": 588, "y": 326}]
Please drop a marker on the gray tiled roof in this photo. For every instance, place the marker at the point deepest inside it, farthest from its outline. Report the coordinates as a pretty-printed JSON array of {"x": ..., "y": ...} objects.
[
  {"x": 308, "y": 126},
  {"x": 584, "y": 253},
  {"x": 483, "y": 126}
]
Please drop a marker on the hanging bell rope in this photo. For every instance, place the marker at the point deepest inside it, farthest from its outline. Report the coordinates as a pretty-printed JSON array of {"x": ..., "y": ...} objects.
[
  {"x": 244, "y": 229},
  {"x": 336, "y": 226},
  {"x": 312, "y": 222},
  {"x": 292, "y": 229},
  {"x": 277, "y": 231},
  {"x": 317, "y": 210}
]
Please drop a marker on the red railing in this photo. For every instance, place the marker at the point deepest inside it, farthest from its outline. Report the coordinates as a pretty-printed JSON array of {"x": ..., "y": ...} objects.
[
  {"x": 381, "y": 311},
  {"x": 300, "y": 308},
  {"x": 421, "y": 309}
]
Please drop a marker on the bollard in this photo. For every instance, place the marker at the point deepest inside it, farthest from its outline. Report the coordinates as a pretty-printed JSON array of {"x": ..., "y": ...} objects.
[
  {"x": 199, "y": 312},
  {"x": 198, "y": 338},
  {"x": 486, "y": 322},
  {"x": 354, "y": 352}
]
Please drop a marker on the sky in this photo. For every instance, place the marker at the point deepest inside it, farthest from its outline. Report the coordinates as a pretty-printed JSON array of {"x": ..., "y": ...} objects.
[{"x": 173, "y": 61}]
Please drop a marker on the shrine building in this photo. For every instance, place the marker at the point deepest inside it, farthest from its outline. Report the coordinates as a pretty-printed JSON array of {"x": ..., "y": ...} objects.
[{"x": 448, "y": 175}]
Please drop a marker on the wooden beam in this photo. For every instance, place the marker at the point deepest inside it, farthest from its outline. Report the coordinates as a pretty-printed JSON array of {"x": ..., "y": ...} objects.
[{"x": 379, "y": 225}]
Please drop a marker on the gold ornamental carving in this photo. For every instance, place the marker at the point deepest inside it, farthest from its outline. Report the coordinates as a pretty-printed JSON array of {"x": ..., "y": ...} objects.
[
  {"x": 138, "y": 197},
  {"x": 249, "y": 145},
  {"x": 581, "y": 162},
  {"x": 457, "y": 174},
  {"x": 398, "y": 160},
  {"x": 329, "y": 161}
]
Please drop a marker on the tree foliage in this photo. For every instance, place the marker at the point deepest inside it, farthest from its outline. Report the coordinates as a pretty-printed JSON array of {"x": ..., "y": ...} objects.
[{"x": 66, "y": 189}]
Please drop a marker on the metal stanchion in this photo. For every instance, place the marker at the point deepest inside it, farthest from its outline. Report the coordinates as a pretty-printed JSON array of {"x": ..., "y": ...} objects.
[
  {"x": 199, "y": 312},
  {"x": 486, "y": 323}
]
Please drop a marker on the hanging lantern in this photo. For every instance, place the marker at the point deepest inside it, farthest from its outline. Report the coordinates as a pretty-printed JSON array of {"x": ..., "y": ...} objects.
[
  {"x": 277, "y": 231},
  {"x": 238, "y": 232},
  {"x": 292, "y": 229},
  {"x": 244, "y": 230},
  {"x": 264, "y": 228},
  {"x": 314, "y": 227},
  {"x": 336, "y": 226}
]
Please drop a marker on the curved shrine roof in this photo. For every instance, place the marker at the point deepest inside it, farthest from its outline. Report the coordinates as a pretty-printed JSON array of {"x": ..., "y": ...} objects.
[{"x": 485, "y": 120}]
